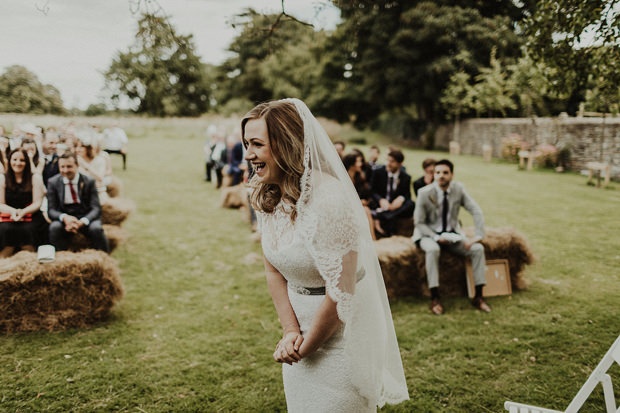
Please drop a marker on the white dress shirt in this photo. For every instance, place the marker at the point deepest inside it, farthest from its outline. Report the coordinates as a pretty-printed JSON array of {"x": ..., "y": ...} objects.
[
  {"x": 69, "y": 199},
  {"x": 438, "y": 227}
]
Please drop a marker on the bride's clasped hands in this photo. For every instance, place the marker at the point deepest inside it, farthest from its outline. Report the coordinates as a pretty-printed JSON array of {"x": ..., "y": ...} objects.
[{"x": 287, "y": 349}]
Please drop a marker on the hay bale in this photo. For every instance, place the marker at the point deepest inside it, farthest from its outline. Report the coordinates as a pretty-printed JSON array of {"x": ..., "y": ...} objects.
[
  {"x": 116, "y": 210},
  {"x": 76, "y": 290},
  {"x": 402, "y": 263},
  {"x": 115, "y": 187},
  {"x": 226, "y": 180},
  {"x": 508, "y": 243},
  {"x": 115, "y": 234},
  {"x": 398, "y": 260},
  {"x": 234, "y": 196}
]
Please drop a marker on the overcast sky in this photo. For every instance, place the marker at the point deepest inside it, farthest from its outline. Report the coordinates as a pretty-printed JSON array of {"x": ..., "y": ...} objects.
[{"x": 72, "y": 42}]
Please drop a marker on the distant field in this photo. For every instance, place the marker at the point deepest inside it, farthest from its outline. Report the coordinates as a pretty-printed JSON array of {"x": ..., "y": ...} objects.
[{"x": 196, "y": 329}]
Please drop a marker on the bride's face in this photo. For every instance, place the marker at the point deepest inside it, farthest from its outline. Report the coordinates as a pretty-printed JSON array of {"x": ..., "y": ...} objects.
[{"x": 259, "y": 154}]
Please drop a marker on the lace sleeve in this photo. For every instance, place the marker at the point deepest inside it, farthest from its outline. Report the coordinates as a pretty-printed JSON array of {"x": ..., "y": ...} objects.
[{"x": 332, "y": 239}]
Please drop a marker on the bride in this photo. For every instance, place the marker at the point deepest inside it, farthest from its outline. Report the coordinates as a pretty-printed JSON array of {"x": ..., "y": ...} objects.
[{"x": 338, "y": 348}]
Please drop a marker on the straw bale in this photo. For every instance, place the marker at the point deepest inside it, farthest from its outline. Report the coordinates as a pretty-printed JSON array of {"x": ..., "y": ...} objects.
[
  {"x": 116, "y": 210},
  {"x": 226, "y": 180},
  {"x": 115, "y": 234},
  {"x": 403, "y": 263},
  {"x": 234, "y": 196},
  {"x": 115, "y": 187},
  {"x": 75, "y": 291}
]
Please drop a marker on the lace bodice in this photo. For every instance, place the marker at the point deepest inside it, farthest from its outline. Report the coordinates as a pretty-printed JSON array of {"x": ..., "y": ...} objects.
[
  {"x": 327, "y": 221},
  {"x": 283, "y": 247}
]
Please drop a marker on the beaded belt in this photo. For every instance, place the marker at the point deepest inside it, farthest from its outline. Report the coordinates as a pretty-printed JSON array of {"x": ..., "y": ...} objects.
[{"x": 307, "y": 290}]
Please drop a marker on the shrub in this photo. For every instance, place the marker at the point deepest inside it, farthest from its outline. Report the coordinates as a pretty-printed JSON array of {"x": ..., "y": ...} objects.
[
  {"x": 546, "y": 155},
  {"x": 511, "y": 146}
]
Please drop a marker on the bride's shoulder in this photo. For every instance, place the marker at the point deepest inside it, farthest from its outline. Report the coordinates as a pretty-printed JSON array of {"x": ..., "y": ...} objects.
[{"x": 328, "y": 194}]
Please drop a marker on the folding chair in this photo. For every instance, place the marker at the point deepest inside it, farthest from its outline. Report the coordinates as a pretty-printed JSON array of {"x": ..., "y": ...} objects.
[{"x": 599, "y": 375}]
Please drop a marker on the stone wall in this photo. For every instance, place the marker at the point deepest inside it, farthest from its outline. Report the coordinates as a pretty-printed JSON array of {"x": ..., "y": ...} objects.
[{"x": 584, "y": 137}]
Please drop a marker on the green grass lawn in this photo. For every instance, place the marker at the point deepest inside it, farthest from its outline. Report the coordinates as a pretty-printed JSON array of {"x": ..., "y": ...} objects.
[{"x": 196, "y": 328}]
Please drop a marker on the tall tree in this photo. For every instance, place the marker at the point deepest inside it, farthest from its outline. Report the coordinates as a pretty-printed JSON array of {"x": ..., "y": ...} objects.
[
  {"x": 22, "y": 92},
  {"x": 261, "y": 36},
  {"x": 567, "y": 35},
  {"x": 160, "y": 72},
  {"x": 403, "y": 53}
]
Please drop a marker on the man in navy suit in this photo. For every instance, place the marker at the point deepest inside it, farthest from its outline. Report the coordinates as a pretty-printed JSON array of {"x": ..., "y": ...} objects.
[
  {"x": 73, "y": 206},
  {"x": 391, "y": 189},
  {"x": 49, "y": 153}
]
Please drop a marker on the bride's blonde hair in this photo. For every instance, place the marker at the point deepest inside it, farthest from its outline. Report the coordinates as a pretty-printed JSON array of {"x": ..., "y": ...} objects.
[{"x": 285, "y": 131}]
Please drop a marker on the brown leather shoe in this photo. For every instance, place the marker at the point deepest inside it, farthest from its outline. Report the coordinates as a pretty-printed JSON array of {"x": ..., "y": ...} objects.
[
  {"x": 436, "y": 307},
  {"x": 480, "y": 304}
]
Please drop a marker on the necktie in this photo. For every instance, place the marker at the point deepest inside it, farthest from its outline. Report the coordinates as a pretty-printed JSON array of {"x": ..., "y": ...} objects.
[
  {"x": 73, "y": 193},
  {"x": 389, "y": 188},
  {"x": 444, "y": 213}
]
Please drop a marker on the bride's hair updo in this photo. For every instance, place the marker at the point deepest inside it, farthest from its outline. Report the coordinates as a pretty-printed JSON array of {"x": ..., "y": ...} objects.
[{"x": 285, "y": 131}]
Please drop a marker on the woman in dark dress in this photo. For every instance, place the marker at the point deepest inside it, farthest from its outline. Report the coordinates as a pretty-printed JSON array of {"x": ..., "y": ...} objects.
[{"x": 21, "y": 193}]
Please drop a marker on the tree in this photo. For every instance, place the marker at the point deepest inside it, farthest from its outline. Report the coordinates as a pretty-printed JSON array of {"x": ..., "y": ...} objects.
[
  {"x": 580, "y": 40},
  {"x": 491, "y": 94},
  {"x": 160, "y": 72},
  {"x": 243, "y": 75},
  {"x": 403, "y": 53},
  {"x": 22, "y": 92}
]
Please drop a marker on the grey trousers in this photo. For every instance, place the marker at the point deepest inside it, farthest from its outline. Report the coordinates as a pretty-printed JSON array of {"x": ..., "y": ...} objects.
[{"x": 432, "y": 250}]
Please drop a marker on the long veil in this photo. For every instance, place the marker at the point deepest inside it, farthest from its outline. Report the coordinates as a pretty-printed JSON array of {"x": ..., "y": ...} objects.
[{"x": 331, "y": 238}]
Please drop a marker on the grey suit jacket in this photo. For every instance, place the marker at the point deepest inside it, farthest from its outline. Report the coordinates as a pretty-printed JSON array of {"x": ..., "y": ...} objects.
[{"x": 426, "y": 215}]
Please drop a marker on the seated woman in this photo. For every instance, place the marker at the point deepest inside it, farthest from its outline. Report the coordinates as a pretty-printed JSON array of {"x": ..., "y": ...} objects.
[
  {"x": 21, "y": 193},
  {"x": 353, "y": 164},
  {"x": 36, "y": 162},
  {"x": 92, "y": 165}
]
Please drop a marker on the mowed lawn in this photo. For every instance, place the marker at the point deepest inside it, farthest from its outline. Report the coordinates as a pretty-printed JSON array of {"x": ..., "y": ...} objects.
[{"x": 196, "y": 328}]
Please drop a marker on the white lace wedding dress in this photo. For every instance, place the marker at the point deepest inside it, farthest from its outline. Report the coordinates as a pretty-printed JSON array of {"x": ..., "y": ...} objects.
[
  {"x": 321, "y": 382},
  {"x": 329, "y": 246}
]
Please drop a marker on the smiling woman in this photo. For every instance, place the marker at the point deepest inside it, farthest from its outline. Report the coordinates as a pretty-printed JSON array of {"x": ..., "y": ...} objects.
[
  {"x": 21, "y": 193},
  {"x": 338, "y": 348}
]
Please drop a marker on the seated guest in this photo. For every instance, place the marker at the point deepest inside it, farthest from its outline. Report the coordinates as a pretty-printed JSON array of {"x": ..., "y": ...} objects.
[
  {"x": 219, "y": 156},
  {"x": 115, "y": 141},
  {"x": 36, "y": 161},
  {"x": 366, "y": 168},
  {"x": 4, "y": 150},
  {"x": 236, "y": 163},
  {"x": 353, "y": 164},
  {"x": 50, "y": 157},
  {"x": 391, "y": 189},
  {"x": 428, "y": 165},
  {"x": 373, "y": 157},
  {"x": 21, "y": 193},
  {"x": 437, "y": 229},
  {"x": 90, "y": 164},
  {"x": 73, "y": 206},
  {"x": 339, "y": 145},
  {"x": 208, "y": 151}
]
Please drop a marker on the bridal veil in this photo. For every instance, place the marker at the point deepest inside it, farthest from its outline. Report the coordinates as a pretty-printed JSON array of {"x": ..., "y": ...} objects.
[{"x": 333, "y": 236}]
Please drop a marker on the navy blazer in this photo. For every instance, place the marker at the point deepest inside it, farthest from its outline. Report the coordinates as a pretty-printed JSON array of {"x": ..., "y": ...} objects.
[
  {"x": 87, "y": 192},
  {"x": 50, "y": 169},
  {"x": 379, "y": 182}
]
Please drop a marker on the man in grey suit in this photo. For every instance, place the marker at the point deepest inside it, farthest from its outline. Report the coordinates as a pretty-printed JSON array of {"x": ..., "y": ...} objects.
[{"x": 437, "y": 227}]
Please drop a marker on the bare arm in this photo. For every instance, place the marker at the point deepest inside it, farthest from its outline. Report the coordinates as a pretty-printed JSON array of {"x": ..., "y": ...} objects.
[
  {"x": 326, "y": 321},
  {"x": 287, "y": 348},
  {"x": 37, "y": 196},
  {"x": 4, "y": 208}
]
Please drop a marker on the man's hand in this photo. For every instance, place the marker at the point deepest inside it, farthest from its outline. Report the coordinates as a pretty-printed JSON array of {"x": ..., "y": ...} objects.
[
  {"x": 443, "y": 241},
  {"x": 467, "y": 244},
  {"x": 397, "y": 203},
  {"x": 72, "y": 224}
]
